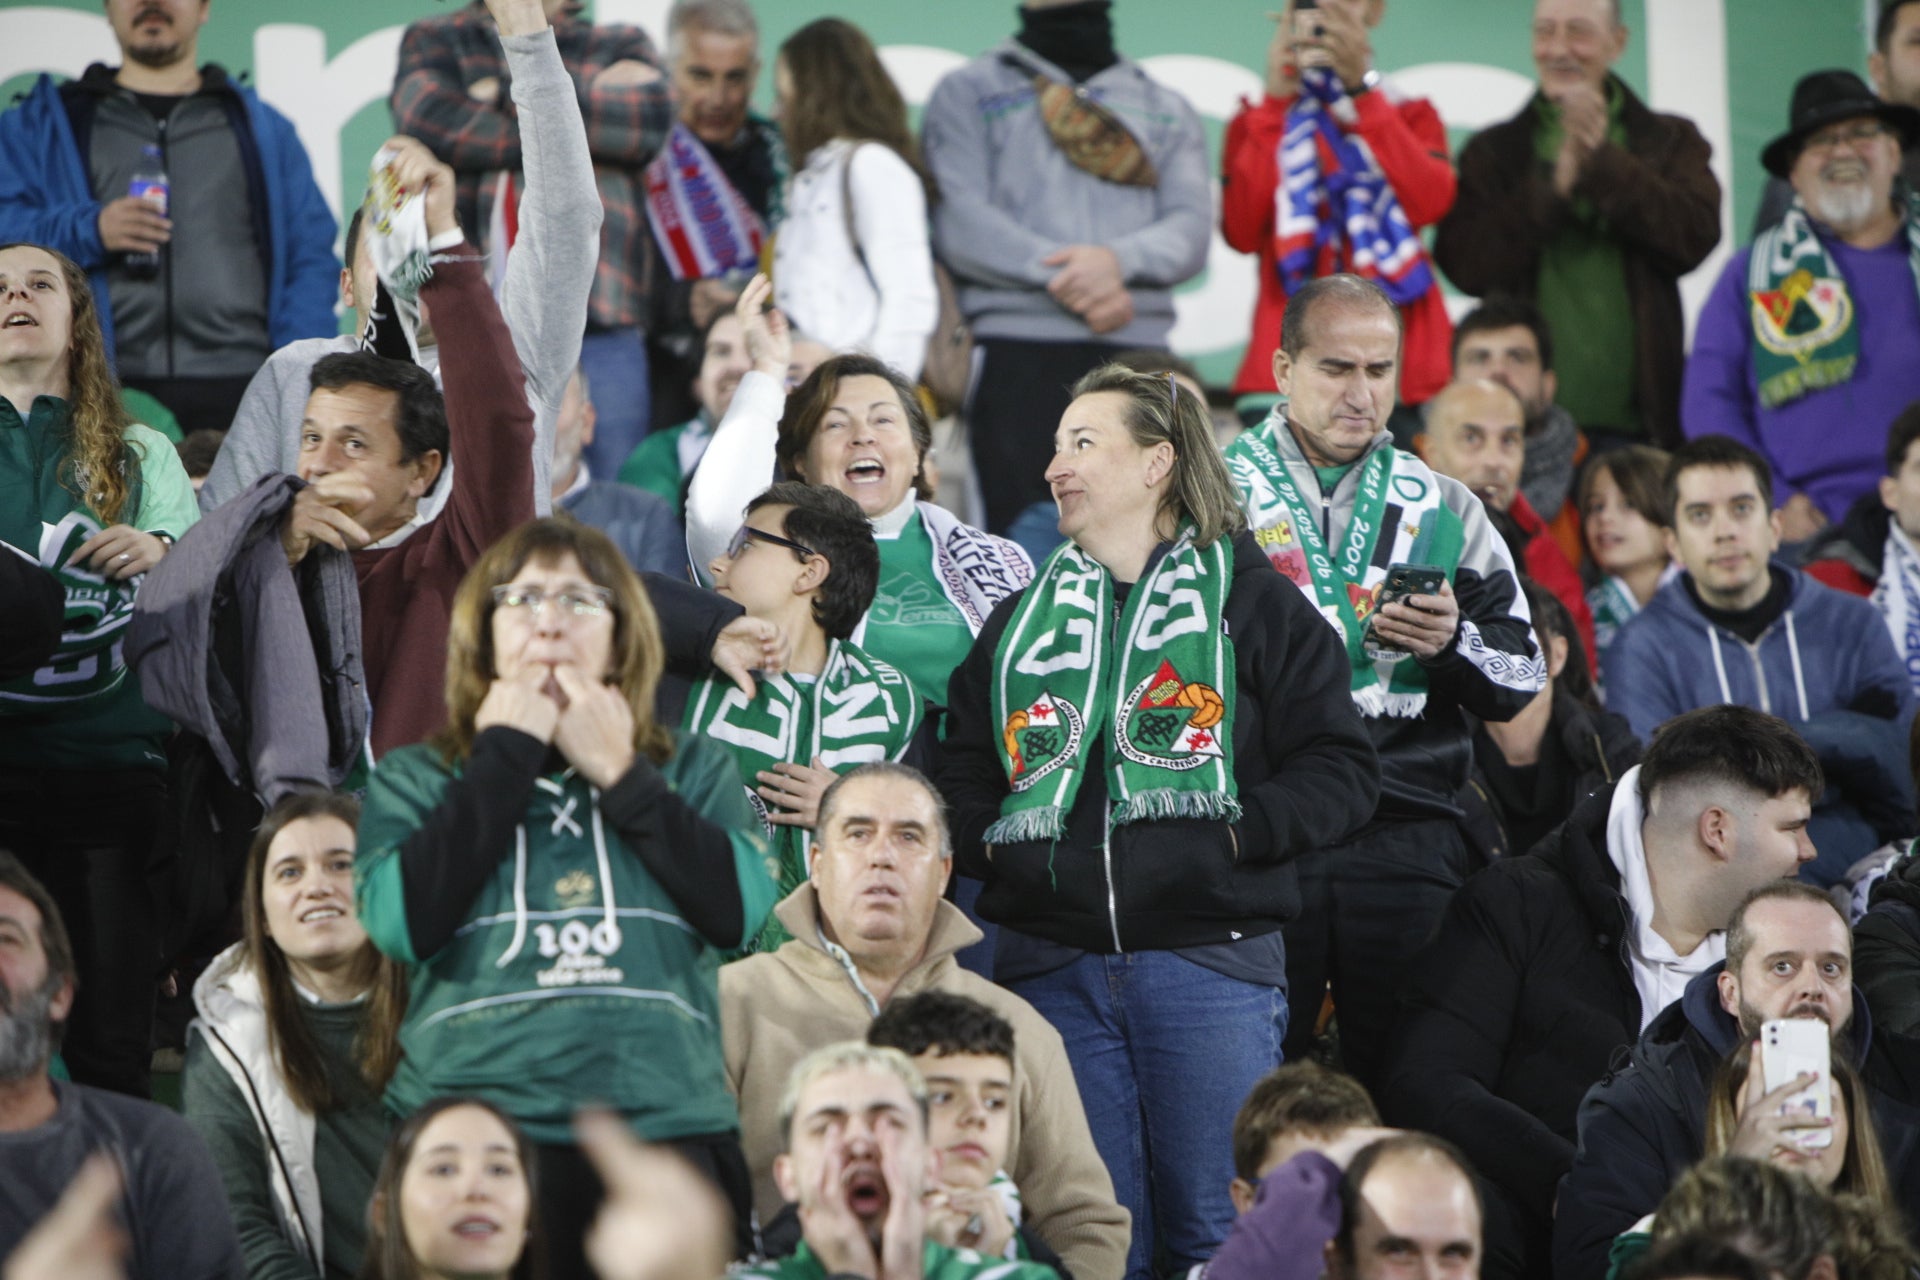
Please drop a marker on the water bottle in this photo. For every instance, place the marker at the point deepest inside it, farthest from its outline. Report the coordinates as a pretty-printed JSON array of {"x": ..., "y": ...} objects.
[{"x": 150, "y": 184}]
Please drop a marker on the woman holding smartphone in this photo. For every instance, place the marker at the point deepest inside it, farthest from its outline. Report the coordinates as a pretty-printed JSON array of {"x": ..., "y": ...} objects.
[{"x": 1140, "y": 743}]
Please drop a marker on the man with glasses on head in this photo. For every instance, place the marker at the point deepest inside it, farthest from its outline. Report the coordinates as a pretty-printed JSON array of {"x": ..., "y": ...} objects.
[{"x": 1804, "y": 352}]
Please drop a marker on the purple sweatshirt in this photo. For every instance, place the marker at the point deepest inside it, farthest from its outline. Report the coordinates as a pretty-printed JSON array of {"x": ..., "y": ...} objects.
[
  {"x": 1284, "y": 1235},
  {"x": 1829, "y": 444}
]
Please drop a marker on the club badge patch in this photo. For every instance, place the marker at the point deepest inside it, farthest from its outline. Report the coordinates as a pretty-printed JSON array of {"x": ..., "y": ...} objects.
[
  {"x": 1804, "y": 314},
  {"x": 1041, "y": 739},
  {"x": 1169, "y": 723}
]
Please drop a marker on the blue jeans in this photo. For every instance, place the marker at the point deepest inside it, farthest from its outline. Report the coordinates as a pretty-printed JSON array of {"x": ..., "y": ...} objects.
[
  {"x": 615, "y": 361},
  {"x": 1164, "y": 1051},
  {"x": 1037, "y": 530}
]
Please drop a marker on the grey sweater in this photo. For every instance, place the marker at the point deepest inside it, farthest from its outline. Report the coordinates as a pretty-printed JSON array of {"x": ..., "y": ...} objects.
[
  {"x": 173, "y": 1209},
  {"x": 1009, "y": 197},
  {"x": 549, "y": 275}
]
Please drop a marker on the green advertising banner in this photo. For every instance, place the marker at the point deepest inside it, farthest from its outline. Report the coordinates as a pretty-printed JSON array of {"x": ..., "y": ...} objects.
[{"x": 1729, "y": 65}]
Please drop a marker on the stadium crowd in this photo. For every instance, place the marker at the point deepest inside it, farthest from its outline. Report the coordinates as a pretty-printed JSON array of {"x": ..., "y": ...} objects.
[{"x": 748, "y": 716}]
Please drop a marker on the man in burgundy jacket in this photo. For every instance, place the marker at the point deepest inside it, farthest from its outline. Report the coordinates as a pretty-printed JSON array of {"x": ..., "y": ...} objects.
[
  {"x": 375, "y": 439},
  {"x": 1403, "y": 138}
]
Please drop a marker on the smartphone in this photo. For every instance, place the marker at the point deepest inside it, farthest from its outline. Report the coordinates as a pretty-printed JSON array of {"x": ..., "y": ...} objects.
[
  {"x": 1402, "y": 580},
  {"x": 1305, "y": 35},
  {"x": 1789, "y": 1048}
]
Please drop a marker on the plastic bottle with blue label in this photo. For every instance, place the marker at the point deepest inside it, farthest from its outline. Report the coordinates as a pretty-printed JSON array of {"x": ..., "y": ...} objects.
[{"x": 149, "y": 183}]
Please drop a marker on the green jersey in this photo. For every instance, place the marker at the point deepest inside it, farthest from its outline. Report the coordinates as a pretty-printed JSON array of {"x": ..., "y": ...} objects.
[
  {"x": 941, "y": 1263},
  {"x": 575, "y": 978}
]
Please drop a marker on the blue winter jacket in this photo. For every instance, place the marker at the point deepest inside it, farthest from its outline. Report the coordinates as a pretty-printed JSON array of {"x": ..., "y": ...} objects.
[
  {"x": 1827, "y": 666},
  {"x": 46, "y": 197}
]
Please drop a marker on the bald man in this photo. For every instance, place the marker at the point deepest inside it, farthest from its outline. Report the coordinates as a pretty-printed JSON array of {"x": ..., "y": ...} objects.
[{"x": 1476, "y": 432}]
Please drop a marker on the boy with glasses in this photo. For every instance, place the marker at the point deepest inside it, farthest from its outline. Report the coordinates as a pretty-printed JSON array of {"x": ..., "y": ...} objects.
[{"x": 805, "y": 560}]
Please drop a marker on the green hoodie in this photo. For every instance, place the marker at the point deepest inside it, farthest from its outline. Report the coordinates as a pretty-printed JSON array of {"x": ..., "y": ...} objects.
[
  {"x": 83, "y": 710},
  {"x": 575, "y": 978}
]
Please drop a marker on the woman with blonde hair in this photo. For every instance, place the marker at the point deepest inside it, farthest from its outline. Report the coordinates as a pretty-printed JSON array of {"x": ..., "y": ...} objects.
[
  {"x": 853, "y": 264},
  {"x": 560, "y": 874},
  {"x": 95, "y": 500},
  {"x": 296, "y": 1038},
  {"x": 1140, "y": 743}
]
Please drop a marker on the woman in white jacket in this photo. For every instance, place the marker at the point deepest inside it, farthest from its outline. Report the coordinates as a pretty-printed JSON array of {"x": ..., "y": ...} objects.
[
  {"x": 296, "y": 1038},
  {"x": 852, "y": 265}
]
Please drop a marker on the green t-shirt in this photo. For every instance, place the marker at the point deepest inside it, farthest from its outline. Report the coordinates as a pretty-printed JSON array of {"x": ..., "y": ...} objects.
[
  {"x": 654, "y": 465},
  {"x": 912, "y": 625},
  {"x": 1330, "y": 477},
  {"x": 1583, "y": 290}
]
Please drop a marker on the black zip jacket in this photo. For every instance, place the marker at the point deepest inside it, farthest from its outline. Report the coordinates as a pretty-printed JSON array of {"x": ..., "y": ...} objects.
[
  {"x": 1886, "y": 950},
  {"x": 1594, "y": 748},
  {"x": 1513, "y": 1010},
  {"x": 1306, "y": 773},
  {"x": 1643, "y": 1126}
]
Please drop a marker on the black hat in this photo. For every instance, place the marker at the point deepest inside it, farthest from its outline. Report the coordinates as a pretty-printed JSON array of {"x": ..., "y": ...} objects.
[{"x": 1822, "y": 99}]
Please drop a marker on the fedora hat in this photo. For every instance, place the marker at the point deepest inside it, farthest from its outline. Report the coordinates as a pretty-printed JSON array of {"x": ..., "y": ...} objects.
[{"x": 1827, "y": 97}]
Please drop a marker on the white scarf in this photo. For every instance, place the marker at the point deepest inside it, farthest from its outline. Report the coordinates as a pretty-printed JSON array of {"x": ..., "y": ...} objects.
[
  {"x": 1660, "y": 974},
  {"x": 1897, "y": 596},
  {"x": 975, "y": 570}
]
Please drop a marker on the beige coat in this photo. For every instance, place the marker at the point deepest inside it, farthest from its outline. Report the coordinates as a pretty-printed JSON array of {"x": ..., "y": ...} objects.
[{"x": 776, "y": 1008}]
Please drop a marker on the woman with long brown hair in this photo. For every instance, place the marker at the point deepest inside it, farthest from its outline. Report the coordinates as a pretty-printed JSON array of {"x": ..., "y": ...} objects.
[
  {"x": 560, "y": 875},
  {"x": 852, "y": 265},
  {"x": 96, "y": 501},
  {"x": 296, "y": 1038}
]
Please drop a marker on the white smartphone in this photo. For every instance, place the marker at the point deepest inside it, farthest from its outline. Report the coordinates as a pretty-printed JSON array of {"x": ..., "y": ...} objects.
[{"x": 1789, "y": 1048}]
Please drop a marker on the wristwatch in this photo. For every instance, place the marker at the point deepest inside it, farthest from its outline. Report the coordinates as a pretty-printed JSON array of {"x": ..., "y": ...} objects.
[{"x": 1368, "y": 83}]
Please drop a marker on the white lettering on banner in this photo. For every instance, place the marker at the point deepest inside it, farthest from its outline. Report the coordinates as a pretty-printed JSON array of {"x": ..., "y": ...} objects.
[
  {"x": 294, "y": 76},
  {"x": 1182, "y": 614},
  {"x": 766, "y": 744},
  {"x": 843, "y": 718},
  {"x": 1078, "y": 658}
]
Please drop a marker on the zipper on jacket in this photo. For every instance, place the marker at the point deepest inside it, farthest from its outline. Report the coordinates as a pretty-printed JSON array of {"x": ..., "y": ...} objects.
[
  {"x": 1759, "y": 671},
  {"x": 166, "y": 255},
  {"x": 1106, "y": 859}
]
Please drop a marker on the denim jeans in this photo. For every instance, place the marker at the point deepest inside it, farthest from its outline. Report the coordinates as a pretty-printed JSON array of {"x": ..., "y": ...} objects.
[
  {"x": 1164, "y": 1051},
  {"x": 615, "y": 361},
  {"x": 1037, "y": 530}
]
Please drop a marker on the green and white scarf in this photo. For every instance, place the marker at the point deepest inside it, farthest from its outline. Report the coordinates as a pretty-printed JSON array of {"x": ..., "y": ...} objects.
[
  {"x": 1805, "y": 333},
  {"x": 1167, "y": 694},
  {"x": 1398, "y": 517},
  {"x": 859, "y": 710}
]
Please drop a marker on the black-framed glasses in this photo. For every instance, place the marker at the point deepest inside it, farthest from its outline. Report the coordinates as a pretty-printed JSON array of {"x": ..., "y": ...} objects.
[
  {"x": 580, "y": 601},
  {"x": 747, "y": 533}
]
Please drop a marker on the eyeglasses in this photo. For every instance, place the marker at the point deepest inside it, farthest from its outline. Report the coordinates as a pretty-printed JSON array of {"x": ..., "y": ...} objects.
[
  {"x": 747, "y": 533},
  {"x": 1857, "y": 136},
  {"x": 578, "y": 601}
]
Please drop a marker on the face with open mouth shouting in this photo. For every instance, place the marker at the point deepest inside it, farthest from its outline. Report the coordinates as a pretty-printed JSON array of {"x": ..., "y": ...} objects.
[
  {"x": 307, "y": 891},
  {"x": 858, "y": 1145},
  {"x": 463, "y": 1197},
  {"x": 864, "y": 445}
]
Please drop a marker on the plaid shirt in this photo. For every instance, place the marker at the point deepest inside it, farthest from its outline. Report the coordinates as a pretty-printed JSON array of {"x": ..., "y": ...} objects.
[{"x": 440, "y": 57}]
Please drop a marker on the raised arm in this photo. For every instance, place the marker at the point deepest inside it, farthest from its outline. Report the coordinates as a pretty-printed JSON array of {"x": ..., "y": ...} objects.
[
  {"x": 551, "y": 264},
  {"x": 740, "y": 459}
]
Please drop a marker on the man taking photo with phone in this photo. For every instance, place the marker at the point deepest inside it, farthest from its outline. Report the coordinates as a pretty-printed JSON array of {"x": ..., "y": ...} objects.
[
  {"x": 1337, "y": 508},
  {"x": 1789, "y": 955}
]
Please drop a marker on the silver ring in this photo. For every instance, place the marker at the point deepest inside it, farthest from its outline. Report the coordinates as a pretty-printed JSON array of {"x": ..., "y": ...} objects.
[{"x": 126, "y": 555}]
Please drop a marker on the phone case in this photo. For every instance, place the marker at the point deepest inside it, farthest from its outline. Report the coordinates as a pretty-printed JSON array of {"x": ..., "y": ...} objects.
[{"x": 1788, "y": 1048}]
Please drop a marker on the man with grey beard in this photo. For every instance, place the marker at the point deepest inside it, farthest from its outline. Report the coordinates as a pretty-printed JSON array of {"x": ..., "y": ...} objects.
[
  {"x": 1804, "y": 351},
  {"x": 172, "y": 1207}
]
